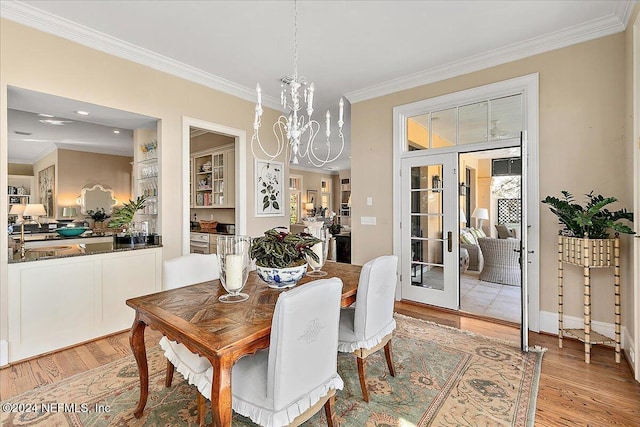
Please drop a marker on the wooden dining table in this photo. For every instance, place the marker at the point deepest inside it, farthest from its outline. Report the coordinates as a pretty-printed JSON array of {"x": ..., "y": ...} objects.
[{"x": 221, "y": 332}]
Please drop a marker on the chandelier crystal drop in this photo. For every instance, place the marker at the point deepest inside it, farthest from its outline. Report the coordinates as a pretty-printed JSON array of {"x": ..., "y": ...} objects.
[{"x": 294, "y": 128}]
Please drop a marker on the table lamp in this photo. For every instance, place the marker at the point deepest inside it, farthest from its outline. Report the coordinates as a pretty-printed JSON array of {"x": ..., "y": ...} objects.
[
  {"x": 309, "y": 207},
  {"x": 34, "y": 210},
  {"x": 69, "y": 212},
  {"x": 18, "y": 210},
  {"x": 480, "y": 214},
  {"x": 463, "y": 218}
]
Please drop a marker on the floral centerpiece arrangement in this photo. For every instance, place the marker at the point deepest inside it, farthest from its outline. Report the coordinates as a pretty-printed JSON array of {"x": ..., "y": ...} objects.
[
  {"x": 281, "y": 257},
  {"x": 592, "y": 220},
  {"x": 98, "y": 215}
]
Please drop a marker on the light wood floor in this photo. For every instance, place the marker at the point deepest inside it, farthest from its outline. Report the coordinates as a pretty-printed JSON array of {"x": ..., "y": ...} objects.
[{"x": 571, "y": 393}]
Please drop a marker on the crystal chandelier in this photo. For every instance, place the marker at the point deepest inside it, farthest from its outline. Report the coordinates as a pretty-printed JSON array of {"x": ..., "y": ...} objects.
[{"x": 293, "y": 128}]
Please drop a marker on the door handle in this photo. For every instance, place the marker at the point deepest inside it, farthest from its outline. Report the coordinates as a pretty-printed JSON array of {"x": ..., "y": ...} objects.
[{"x": 449, "y": 243}]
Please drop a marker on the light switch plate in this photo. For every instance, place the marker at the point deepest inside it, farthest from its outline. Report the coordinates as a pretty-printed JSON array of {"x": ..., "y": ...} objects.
[{"x": 368, "y": 220}]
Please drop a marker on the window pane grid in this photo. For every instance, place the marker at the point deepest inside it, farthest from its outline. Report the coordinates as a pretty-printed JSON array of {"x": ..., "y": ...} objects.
[{"x": 481, "y": 121}]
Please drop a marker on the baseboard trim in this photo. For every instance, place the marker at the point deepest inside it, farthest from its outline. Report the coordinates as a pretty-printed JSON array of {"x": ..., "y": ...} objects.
[{"x": 4, "y": 352}]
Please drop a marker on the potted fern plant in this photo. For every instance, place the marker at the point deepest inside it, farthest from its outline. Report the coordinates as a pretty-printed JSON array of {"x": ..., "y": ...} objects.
[
  {"x": 281, "y": 257},
  {"x": 122, "y": 219}
]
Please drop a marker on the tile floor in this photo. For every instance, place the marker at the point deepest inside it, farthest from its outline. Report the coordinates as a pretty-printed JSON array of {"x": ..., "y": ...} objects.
[{"x": 489, "y": 299}]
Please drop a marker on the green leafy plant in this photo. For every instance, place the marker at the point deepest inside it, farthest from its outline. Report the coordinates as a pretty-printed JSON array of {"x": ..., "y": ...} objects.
[
  {"x": 335, "y": 228},
  {"x": 98, "y": 215},
  {"x": 280, "y": 249},
  {"x": 593, "y": 220},
  {"x": 124, "y": 215}
]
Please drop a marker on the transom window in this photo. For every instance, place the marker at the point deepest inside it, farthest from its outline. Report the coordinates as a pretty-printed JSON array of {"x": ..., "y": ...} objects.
[{"x": 482, "y": 121}]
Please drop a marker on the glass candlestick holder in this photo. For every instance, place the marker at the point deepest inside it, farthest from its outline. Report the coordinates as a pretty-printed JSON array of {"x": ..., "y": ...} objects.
[
  {"x": 321, "y": 250},
  {"x": 234, "y": 265}
]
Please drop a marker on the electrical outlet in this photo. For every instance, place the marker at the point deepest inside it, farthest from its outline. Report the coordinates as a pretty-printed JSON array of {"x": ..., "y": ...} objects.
[{"x": 632, "y": 355}]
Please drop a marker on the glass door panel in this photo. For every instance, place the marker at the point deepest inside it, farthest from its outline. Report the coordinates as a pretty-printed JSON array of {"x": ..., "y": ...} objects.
[{"x": 429, "y": 200}]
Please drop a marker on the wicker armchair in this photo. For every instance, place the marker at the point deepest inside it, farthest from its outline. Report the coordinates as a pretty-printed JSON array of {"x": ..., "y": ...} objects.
[{"x": 501, "y": 261}]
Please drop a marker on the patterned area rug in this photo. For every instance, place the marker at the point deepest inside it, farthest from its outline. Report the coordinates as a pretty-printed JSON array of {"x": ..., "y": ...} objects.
[{"x": 444, "y": 377}]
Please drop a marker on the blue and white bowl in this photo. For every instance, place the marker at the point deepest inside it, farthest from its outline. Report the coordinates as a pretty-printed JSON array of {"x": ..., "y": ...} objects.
[{"x": 281, "y": 278}]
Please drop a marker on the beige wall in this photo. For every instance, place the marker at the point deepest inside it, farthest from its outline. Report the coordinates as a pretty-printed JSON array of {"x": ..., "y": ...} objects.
[
  {"x": 582, "y": 147},
  {"x": 37, "y": 61},
  {"x": 33, "y": 60},
  {"x": 209, "y": 140},
  {"x": 311, "y": 181},
  {"x": 19, "y": 169},
  {"x": 78, "y": 169}
]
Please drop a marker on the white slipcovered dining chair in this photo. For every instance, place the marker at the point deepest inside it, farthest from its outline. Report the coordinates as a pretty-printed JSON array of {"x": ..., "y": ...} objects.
[
  {"x": 178, "y": 272},
  {"x": 287, "y": 383},
  {"x": 368, "y": 327}
]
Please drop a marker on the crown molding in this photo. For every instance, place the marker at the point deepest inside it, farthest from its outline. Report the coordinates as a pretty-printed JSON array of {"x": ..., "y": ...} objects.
[
  {"x": 624, "y": 10},
  {"x": 577, "y": 34},
  {"x": 43, "y": 21},
  {"x": 46, "y": 22}
]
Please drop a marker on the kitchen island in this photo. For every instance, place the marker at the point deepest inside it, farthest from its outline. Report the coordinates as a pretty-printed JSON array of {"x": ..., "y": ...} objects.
[{"x": 74, "y": 289}]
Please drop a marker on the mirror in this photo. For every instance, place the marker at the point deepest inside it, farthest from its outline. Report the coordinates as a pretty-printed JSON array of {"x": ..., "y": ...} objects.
[{"x": 96, "y": 197}]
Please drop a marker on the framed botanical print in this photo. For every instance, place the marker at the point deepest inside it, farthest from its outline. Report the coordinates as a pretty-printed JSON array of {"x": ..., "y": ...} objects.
[
  {"x": 312, "y": 197},
  {"x": 269, "y": 176},
  {"x": 46, "y": 181}
]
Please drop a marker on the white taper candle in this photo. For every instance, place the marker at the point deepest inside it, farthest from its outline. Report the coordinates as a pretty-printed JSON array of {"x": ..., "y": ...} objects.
[
  {"x": 233, "y": 272},
  {"x": 259, "y": 91}
]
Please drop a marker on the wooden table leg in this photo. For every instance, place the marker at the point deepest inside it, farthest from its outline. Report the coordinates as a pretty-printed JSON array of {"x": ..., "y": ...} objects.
[
  {"x": 221, "y": 392},
  {"x": 136, "y": 341}
]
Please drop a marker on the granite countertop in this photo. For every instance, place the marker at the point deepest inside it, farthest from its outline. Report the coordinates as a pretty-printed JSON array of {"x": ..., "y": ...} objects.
[
  {"x": 41, "y": 237},
  {"x": 73, "y": 250},
  {"x": 208, "y": 231}
]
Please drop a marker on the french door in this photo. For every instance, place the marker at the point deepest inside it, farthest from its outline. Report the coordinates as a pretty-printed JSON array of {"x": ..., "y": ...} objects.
[{"x": 429, "y": 270}]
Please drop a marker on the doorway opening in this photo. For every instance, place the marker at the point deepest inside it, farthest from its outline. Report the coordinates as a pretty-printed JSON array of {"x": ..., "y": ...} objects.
[
  {"x": 436, "y": 131},
  {"x": 214, "y": 179},
  {"x": 490, "y": 229}
]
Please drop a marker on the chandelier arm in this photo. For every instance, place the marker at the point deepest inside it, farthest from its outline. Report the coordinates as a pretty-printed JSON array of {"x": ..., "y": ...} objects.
[
  {"x": 311, "y": 129},
  {"x": 305, "y": 128},
  {"x": 256, "y": 138},
  {"x": 322, "y": 162}
]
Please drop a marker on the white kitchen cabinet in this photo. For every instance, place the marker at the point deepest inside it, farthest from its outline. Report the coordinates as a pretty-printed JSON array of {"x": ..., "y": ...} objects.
[
  {"x": 61, "y": 302},
  {"x": 213, "y": 178}
]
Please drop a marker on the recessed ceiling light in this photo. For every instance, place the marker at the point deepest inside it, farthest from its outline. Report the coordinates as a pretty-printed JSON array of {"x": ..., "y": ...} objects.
[
  {"x": 45, "y": 115},
  {"x": 82, "y": 113},
  {"x": 55, "y": 122},
  {"x": 116, "y": 131}
]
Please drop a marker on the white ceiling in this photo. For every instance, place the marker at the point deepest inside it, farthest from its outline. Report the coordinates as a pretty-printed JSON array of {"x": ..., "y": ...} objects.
[
  {"x": 31, "y": 137},
  {"x": 356, "y": 49}
]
